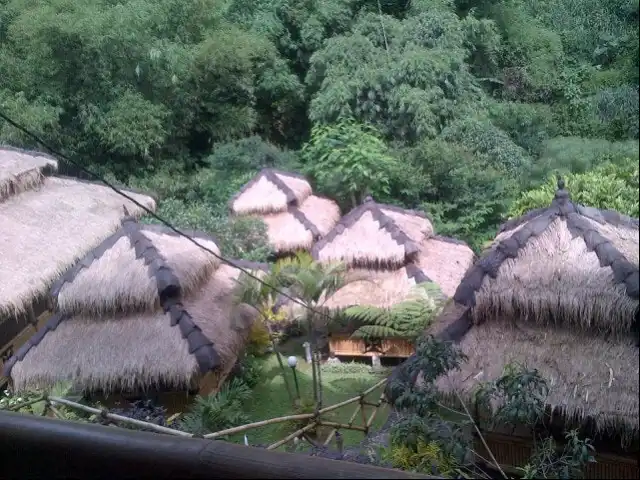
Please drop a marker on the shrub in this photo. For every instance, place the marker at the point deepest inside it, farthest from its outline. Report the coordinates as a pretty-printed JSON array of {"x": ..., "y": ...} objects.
[
  {"x": 609, "y": 186},
  {"x": 347, "y": 368},
  {"x": 259, "y": 338},
  {"x": 219, "y": 411}
]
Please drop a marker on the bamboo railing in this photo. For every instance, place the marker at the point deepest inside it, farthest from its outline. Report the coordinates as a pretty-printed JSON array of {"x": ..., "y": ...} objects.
[{"x": 52, "y": 404}]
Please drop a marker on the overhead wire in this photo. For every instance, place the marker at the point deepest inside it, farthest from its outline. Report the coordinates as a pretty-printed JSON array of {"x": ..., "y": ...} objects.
[{"x": 149, "y": 212}]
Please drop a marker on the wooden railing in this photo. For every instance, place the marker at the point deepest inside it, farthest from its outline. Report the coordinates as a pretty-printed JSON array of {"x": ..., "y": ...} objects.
[{"x": 38, "y": 447}]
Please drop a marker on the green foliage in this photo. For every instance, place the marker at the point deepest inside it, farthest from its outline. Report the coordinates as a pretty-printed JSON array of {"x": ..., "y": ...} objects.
[
  {"x": 259, "y": 339},
  {"x": 421, "y": 423},
  {"x": 427, "y": 457},
  {"x": 251, "y": 370},
  {"x": 407, "y": 77},
  {"x": 27, "y": 402},
  {"x": 548, "y": 462},
  {"x": 349, "y": 368},
  {"x": 521, "y": 397},
  {"x": 349, "y": 161},
  {"x": 219, "y": 411},
  {"x": 520, "y": 394},
  {"x": 467, "y": 195},
  {"x": 529, "y": 125},
  {"x": 578, "y": 155},
  {"x": 480, "y": 136},
  {"x": 609, "y": 187},
  {"x": 406, "y": 319}
]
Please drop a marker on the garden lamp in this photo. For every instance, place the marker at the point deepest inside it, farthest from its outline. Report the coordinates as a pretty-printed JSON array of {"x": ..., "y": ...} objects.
[{"x": 292, "y": 361}]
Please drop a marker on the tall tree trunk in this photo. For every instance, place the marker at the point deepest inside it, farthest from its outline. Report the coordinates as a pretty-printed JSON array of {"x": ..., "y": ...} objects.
[{"x": 314, "y": 371}]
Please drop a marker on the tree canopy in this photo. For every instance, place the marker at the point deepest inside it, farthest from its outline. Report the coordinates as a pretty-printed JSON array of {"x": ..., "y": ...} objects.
[{"x": 461, "y": 108}]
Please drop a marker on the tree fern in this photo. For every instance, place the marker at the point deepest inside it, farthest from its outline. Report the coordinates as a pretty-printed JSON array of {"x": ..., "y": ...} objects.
[
  {"x": 217, "y": 412},
  {"x": 406, "y": 319}
]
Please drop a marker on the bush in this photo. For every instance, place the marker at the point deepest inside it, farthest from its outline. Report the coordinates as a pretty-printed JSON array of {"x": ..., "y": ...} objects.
[
  {"x": 259, "y": 338},
  {"x": 610, "y": 186},
  {"x": 219, "y": 411},
  {"x": 578, "y": 155},
  {"x": 347, "y": 368},
  {"x": 250, "y": 371}
]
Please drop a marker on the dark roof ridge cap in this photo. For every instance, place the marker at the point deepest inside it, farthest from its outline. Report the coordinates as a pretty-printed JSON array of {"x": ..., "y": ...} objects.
[
  {"x": 167, "y": 282},
  {"x": 396, "y": 208},
  {"x": 492, "y": 259},
  {"x": 200, "y": 345},
  {"x": 624, "y": 271},
  {"x": 304, "y": 220}
]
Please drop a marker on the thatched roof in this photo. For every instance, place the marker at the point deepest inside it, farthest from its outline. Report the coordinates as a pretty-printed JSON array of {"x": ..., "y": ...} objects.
[
  {"x": 375, "y": 236},
  {"x": 377, "y": 288},
  {"x": 294, "y": 217},
  {"x": 564, "y": 264},
  {"x": 557, "y": 291},
  {"x": 47, "y": 223},
  {"x": 271, "y": 191},
  {"x": 21, "y": 170},
  {"x": 445, "y": 261},
  {"x": 145, "y": 308},
  {"x": 588, "y": 376}
]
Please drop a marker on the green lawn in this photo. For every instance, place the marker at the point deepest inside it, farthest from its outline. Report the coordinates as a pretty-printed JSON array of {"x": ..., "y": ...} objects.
[{"x": 270, "y": 399}]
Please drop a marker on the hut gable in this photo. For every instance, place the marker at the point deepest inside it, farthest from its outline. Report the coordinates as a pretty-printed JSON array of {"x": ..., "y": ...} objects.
[
  {"x": 47, "y": 223},
  {"x": 271, "y": 191},
  {"x": 375, "y": 236},
  {"x": 114, "y": 336},
  {"x": 132, "y": 269},
  {"x": 566, "y": 255},
  {"x": 294, "y": 218}
]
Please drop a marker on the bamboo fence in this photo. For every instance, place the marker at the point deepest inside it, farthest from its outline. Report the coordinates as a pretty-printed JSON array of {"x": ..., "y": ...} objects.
[{"x": 53, "y": 403}]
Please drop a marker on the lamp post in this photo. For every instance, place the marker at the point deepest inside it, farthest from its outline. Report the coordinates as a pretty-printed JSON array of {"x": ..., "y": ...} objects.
[{"x": 292, "y": 361}]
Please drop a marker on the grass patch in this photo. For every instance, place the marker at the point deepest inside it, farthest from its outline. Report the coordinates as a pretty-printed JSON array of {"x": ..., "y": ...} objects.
[{"x": 270, "y": 399}]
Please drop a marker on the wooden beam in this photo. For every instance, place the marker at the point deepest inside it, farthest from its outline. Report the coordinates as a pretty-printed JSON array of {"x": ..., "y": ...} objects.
[{"x": 43, "y": 448}]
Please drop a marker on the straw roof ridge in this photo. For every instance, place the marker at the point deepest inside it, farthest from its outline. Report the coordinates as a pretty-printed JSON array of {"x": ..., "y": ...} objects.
[
  {"x": 386, "y": 223},
  {"x": 136, "y": 251},
  {"x": 271, "y": 175},
  {"x": 609, "y": 256},
  {"x": 168, "y": 284},
  {"x": 117, "y": 185},
  {"x": 85, "y": 262},
  {"x": 16, "y": 177}
]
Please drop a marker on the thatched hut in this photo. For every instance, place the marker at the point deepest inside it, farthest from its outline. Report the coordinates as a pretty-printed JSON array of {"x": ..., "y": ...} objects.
[
  {"x": 557, "y": 291},
  {"x": 388, "y": 250},
  {"x": 294, "y": 217},
  {"x": 146, "y": 311},
  {"x": 47, "y": 223}
]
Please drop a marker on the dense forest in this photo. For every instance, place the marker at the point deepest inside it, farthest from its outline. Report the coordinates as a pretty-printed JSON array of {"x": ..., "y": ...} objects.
[{"x": 464, "y": 109}]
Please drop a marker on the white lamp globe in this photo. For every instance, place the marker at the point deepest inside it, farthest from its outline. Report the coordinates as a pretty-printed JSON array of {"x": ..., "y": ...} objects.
[{"x": 292, "y": 361}]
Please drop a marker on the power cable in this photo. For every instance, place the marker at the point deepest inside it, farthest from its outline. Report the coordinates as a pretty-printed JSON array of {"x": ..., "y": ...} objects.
[{"x": 94, "y": 175}]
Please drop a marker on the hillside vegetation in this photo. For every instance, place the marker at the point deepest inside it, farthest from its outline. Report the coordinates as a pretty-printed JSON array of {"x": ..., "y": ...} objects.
[{"x": 460, "y": 108}]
